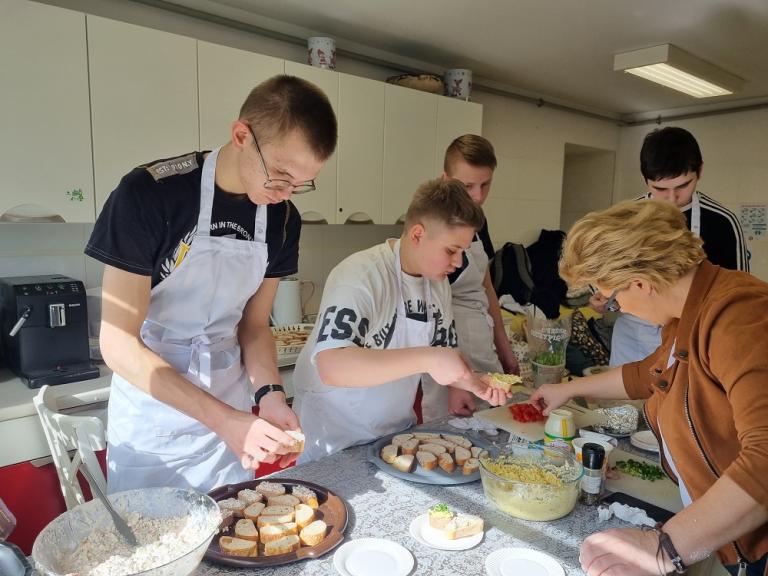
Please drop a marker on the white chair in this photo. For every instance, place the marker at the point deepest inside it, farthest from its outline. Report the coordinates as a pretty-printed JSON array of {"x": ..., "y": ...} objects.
[{"x": 78, "y": 435}]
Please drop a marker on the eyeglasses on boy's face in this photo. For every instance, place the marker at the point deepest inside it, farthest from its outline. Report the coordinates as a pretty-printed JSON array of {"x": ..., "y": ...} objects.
[{"x": 278, "y": 184}]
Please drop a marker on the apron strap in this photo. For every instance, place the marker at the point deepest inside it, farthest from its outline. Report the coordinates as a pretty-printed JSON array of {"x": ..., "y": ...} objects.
[{"x": 207, "y": 187}]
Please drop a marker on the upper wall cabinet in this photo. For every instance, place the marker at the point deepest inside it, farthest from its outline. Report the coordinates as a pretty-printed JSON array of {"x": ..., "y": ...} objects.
[
  {"x": 361, "y": 149},
  {"x": 45, "y": 140},
  {"x": 455, "y": 118},
  {"x": 410, "y": 121},
  {"x": 320, "y": 204},
  {"x": 143, "y": 98},
  {"x": 226, "y": 77}
]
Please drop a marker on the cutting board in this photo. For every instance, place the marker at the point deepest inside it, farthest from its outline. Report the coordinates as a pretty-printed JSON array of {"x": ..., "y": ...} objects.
[
  {"x": 533, "y": 431},
  {"x": 662, "y": 493}
]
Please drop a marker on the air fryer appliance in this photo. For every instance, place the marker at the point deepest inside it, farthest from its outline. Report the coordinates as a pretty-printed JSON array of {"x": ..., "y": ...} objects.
[{"x": 45, "y": 329}]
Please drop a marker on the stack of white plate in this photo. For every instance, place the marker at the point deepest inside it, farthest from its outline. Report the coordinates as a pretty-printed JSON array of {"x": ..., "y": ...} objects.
[{"x": 645, "y": 440}]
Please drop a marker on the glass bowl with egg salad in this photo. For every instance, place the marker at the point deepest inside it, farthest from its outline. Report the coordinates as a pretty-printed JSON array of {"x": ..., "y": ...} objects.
[{"x": 531, "y": 482}]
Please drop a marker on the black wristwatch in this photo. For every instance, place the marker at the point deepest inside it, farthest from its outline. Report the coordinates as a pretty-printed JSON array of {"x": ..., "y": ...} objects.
[{"x": 264, "y": 390}]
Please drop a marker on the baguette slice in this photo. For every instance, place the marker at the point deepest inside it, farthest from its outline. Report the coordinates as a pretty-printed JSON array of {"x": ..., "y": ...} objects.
[
  {"x": 410, "y": 446},
  {"x": 459, "y": 440},
  {"x": 246, "y": 530},
  {"x": 263, "y": 521},
  {"x": 249, "y": 496},
  {"x": 400, "y": 439},
  {"x": 272, "y": 532},
  {"x": 283, "y": 500},
  {"x": 238, "y": 547},
  {"x": 270, "y": 489},
  {"x": 476, "y": 451},
  {"x": 404, "y": 463},
  {"x": 463, "y": 525},
  {"x": 284, "y": 545},
  {"x": 425, "y": 436},
  {"x": 279, "y": 510},
  {"x": 470, "y": 466},
  {"x": 233, "y": 506},
  {"x": 253, "y": 511},
  {"x": 503, "y": 381},
  {"x": 389, "y": 453},
  {"x": 461, "y": 455},
  {"x": 305, "y": 495},
  {"x": 304, "y": 515},
  {"x": 313, "y": 534},
  {"x": 436, "y": 449},
  {"x": 449, "y": 446},
  {"x": 298, "y": 440},
  {"x": 445, "y": 461},
  {"x": 427, "y": 460},
  {"x": 439, "y": 516}
]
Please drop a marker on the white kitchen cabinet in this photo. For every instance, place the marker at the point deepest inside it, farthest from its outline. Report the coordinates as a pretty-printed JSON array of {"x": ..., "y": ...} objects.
[
  {"x": 455, "y": 118},
  {"x": 410, "y": 122},
  {"x": 45, "y": 140},
  {"x": 361, "y": 149},
  {"x": 226, "y": 77},
  {"x": 320, "y": 204},
  {"x": 144, "y": 103}
]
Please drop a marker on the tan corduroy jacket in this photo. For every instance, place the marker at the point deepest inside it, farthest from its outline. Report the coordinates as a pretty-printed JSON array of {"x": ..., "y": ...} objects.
[{"x": 711, "y": 403}]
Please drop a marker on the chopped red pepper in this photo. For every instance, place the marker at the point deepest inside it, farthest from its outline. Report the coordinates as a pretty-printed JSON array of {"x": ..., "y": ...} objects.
[{"x": 526, "y": 413}]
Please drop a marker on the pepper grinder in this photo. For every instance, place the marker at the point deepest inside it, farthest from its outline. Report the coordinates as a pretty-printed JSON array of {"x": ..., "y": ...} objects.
[{"x": 592, "y": 458}]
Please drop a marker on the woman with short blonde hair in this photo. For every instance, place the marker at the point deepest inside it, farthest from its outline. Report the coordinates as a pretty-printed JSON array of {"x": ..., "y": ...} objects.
[
  {"x": 704, "y": 386},
  {"x": 647, "y": 238}
]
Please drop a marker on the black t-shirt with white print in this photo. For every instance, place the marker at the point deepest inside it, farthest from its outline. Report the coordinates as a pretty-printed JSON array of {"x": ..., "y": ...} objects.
[{"x": 149, "y": 221}]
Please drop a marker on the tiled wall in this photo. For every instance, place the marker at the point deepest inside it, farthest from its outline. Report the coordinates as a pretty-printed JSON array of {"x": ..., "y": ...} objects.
[{"x": 33, "y": 249}]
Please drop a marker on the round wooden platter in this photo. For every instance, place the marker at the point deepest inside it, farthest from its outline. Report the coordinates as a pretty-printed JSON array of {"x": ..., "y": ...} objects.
[{"x": 332, "y": 510}]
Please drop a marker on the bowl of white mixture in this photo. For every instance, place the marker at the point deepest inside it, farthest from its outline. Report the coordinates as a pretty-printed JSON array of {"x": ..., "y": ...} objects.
[
  {"x": 531, "y": 482},
  {"x": 172, "y": 525}
]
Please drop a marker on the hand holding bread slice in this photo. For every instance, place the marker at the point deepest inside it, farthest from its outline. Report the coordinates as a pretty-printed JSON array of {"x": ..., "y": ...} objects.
[{"x": 503, "y": 381}]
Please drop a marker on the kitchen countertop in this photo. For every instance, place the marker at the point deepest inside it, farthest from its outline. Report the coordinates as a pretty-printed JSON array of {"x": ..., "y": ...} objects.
[
  {"x": 383, "y": 506},
  {"x": 16, "y": 397}
]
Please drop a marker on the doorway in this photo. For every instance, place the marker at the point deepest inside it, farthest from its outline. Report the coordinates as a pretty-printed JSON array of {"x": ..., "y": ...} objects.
[{"x": 587, "y": 182}]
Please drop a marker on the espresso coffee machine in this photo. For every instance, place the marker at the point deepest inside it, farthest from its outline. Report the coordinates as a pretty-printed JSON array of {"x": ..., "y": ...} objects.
[{"x": 45, "y": 329}]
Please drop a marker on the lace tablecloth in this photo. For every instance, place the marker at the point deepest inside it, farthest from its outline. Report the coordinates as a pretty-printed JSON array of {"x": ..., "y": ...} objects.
[{"x": 383, "y": 506}]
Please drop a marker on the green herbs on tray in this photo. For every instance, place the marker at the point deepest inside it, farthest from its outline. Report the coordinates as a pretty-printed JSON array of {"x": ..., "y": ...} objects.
[{"x": 641, "y": 470}]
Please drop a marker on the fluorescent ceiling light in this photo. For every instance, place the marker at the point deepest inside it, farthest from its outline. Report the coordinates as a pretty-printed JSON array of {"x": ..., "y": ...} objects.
[{"x": 674, "y": 68}]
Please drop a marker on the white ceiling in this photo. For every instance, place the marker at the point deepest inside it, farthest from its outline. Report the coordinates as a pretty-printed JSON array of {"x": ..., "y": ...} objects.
[{"x": 561, "y": 50}]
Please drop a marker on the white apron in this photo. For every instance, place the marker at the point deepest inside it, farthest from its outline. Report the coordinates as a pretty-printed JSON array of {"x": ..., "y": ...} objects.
[
  {"x": 474, "y": 328},
  {"x": 334, "y": 418},
  {"x": 192, "y": 324},
  {"x": 633, "y": 338}
]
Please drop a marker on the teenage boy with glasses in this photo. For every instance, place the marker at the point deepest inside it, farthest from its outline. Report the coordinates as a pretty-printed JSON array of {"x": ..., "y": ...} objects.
[{"x": 194, "y": 248}]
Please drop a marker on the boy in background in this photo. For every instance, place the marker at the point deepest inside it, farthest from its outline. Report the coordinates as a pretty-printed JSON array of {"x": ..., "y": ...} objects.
[{"x": 482, "y": 339}]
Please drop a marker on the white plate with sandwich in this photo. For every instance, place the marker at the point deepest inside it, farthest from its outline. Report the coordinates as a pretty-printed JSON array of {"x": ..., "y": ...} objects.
[
  {"x": 373, "y": 557},
  {"x": 519, "y": 561},
  {"x": 429, "y": 456},
  {"x": 459, "y": 532}
]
